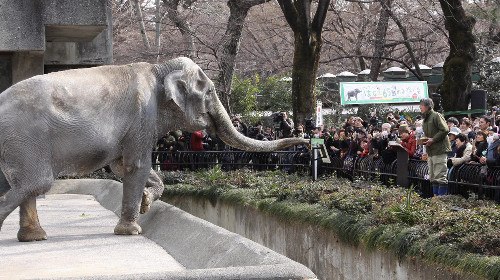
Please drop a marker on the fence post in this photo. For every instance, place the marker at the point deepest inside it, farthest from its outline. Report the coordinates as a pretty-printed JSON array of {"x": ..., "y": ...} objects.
[{"x": 402, "y": 179}]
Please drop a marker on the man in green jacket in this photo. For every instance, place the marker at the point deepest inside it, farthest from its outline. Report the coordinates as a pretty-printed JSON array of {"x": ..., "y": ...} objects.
[{"x": 437, "y": 146}]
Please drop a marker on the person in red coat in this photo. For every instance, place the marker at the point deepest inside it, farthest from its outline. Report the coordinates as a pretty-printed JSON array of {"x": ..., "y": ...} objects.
[
  {"x": 408, "y": 140},
  {"x": 196, "y": 142}
]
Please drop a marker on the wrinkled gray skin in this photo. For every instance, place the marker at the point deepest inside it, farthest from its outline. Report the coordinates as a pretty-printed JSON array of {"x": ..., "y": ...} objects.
[{"x": 77, "y": 121}]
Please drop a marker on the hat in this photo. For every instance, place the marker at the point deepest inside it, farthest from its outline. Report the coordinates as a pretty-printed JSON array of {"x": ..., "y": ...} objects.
[{"x": 455, "y": 131}]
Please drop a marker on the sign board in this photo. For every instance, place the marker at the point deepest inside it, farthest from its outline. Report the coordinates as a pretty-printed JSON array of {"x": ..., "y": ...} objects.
[
  {"x": 382, "y": 92},
  {"x": 319, "y": 114},
  {"x": 317, "y": 141}
]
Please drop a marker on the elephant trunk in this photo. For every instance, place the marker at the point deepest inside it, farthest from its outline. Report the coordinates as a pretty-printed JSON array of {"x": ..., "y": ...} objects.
[{"x": 228, "y": 133}]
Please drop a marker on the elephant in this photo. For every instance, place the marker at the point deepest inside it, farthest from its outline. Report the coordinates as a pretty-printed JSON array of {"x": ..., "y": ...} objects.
[
  {"x": 77, "y": 121},
  {"x": 353, "y": 93}
]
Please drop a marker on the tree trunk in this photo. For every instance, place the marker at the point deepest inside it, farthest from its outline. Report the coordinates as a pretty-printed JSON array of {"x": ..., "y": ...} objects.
[
  {"x": 307, "y": 43},
  {"x": 380, "y": 34},
  {"x": 456, "y": 85},
  {"x": 305, "y": 65},
  {"x": 230, "y": 46},
  {"x": 158, "y": 29}
]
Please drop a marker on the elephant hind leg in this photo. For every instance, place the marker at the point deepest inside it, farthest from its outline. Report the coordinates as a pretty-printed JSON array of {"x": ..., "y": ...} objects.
[
  {"x": 25, "y": 186},
  {"x": 153, "y": 191},
  {"x": 30, "y": 229}
]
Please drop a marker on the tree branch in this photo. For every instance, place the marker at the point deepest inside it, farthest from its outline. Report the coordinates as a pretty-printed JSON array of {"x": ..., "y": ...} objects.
[
  {"x": 320, "y": 16},
  {"x": 290, "y": 13}
]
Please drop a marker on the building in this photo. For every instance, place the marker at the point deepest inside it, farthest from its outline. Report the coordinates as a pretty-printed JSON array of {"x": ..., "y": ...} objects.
[{"x": 42, "y": 36}]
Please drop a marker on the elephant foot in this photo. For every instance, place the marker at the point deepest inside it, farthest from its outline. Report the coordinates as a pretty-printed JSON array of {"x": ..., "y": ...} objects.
[
  {"x": 28, "y": 234},
  {"x": 128, "y": 228},
  {"x": 147, "y": 200}
]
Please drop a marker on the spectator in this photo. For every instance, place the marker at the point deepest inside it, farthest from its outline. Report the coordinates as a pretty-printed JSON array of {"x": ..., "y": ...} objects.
[
  {"x": 408, "y": 140},
  {"x": 365, "y": 148},
  {"x": 285, "y": 125},
  {"x": 268, "y": 133},
  {"x": 379, "y": 141},
  {"x": 492, "y": 157},
  {"x": 419, "y": 133},
  {"x": 256, "y": 131},
  {"x": 355, "y": 144},
  {"x": 334, "y": 145},
  {"x": 465, "y": 128},
  {"x": 479, "y": 148},
  {"x": 300, "y": 133},
  {"x": 345, "y": 142},
  {"x": 196, "y": 142},
  {"x": 452, "y": 136},
  {"x": 240, "y": 126},
  {"x": 452, "y": 122},
  {"x": 349, "y": 124},
  {"x": 484, "y": 124},
  {"x": 490, "y": 133},
  {"x": 437, "y": 146},
  {"x": 358, "y": 124},
  {"x": 464, "y": 151}
]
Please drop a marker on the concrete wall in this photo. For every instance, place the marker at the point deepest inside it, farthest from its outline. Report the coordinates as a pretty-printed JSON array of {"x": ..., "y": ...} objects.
[
  {"x": 26, "y": 65},
  {"x": 21, "y": 25},
  {"x": 316, "y": 248},
  {"x": 50, "y": 35}
]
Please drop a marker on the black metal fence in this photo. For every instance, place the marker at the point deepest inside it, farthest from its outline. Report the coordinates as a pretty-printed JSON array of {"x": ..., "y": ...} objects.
[
  {"x": 291, "y": 161},
  {"x": 463, "y": 180}
]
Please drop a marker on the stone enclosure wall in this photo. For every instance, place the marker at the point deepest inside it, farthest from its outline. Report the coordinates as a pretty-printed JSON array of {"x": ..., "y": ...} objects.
[{"x": 317, "y": 248}]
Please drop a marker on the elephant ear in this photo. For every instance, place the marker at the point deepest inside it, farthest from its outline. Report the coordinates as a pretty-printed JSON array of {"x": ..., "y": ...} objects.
[{"x": 176, "y": 88}]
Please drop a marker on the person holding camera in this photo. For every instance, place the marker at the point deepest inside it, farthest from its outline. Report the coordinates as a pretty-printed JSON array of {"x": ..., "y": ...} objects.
[{"x": 285, "y": 125}]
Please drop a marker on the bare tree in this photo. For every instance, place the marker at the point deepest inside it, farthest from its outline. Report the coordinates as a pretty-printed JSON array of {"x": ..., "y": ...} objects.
[
  {"x": 175, "y": 16},
  {"x": 138, "y": 13},
  {"x": 457, "y": 82},
  {"x": 380, "y": 33},
  {"x": 307, "y": 44},
  {"x": 226, "y": 56}
]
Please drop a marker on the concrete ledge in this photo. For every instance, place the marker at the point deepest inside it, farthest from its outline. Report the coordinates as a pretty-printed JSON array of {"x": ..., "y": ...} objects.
[
  {"x": 315, "y": 247},
  {"x": 205, "y": 250}
]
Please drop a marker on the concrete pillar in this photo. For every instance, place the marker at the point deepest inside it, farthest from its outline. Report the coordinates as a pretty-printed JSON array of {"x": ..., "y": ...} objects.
[{"x": 26, "y": 65}]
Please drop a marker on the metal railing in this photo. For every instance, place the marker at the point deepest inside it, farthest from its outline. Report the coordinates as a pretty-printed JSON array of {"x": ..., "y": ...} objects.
[
  {"x": 291, "y": 161},
  {"x": 463, "y": 179}
]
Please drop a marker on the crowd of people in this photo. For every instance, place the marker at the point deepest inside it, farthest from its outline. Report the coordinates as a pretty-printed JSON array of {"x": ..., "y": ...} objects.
[{"x": 471, "y": 140}]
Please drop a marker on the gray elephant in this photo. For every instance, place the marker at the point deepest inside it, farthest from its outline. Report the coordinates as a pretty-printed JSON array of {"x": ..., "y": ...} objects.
[
  {"x": 76, "y": 121},
  {"x": 353, "y": 93}
]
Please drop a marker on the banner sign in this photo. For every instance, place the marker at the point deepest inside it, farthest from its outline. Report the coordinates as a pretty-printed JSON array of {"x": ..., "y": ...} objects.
[
  {"x": 319, "y": 113},
  {"x": 382, "y": 92}
]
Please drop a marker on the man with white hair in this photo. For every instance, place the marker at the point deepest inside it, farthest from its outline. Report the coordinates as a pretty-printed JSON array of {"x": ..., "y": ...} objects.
[{"x": 437, "y": 146}]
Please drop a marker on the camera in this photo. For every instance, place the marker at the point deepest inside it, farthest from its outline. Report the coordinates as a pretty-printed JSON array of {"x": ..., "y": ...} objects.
[{"x": 278, "y": 117}]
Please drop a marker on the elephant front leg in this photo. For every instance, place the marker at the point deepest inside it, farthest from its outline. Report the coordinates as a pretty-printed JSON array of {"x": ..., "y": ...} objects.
[
  {"x": 153, "y": 191},
  {"x": 133, "y": 187},
  {"x": 30, "y": 229}
]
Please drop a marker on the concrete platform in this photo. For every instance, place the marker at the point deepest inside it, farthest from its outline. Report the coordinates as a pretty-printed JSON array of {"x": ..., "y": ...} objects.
[{"x": 79, "y": 217}]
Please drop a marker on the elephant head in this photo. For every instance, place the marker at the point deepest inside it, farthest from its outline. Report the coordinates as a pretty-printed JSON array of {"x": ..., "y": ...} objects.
[{"x": 190, "y": 93}]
